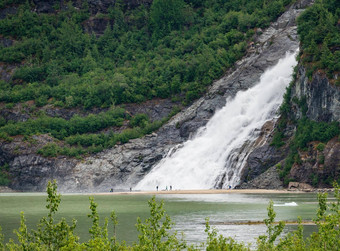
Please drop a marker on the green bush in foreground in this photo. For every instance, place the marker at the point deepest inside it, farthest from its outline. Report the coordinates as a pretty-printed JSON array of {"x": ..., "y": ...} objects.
[{"x": 155, "y": 232}]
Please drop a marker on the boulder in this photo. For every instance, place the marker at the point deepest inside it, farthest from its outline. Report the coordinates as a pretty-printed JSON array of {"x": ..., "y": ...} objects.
[{"x": 299, "y": 186}]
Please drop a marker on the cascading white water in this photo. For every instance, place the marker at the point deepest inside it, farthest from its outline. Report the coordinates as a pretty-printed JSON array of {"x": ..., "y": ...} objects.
[{"x": 214, "y": 151}]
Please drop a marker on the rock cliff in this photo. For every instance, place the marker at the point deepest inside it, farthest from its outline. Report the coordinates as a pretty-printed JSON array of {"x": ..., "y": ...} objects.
[
  {"x": 322, "y": 104},
  {"x": 321, "y": 96},
  {"x": 318, "y": 166}
]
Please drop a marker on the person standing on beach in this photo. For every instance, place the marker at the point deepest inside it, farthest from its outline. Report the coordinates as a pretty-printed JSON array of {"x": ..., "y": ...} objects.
[{"x": 157, "y": 188}]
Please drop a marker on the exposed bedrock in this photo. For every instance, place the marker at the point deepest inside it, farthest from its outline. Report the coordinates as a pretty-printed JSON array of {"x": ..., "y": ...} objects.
[{"x": 322, "y": 97}]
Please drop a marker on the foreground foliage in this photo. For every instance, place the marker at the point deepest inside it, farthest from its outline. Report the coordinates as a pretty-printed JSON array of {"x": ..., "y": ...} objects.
[{"x": 155, "y": 232}]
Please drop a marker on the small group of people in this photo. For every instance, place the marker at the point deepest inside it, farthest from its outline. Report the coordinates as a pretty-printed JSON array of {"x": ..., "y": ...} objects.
[
  {"x": 111, "y": 190},
  {"x": 166, "y": 188}
]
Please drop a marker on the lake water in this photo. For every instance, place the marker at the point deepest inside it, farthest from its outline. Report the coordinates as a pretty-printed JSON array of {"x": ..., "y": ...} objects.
[{"x": 187, "y": 211}]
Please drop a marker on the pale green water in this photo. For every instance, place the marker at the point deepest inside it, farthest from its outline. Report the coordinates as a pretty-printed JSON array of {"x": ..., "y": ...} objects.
[{"x": 187, "y": 211}]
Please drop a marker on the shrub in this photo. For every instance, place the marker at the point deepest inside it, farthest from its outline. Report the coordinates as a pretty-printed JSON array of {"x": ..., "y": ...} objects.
[
  {"x": 5, "y": 136},
  {"x": 4, "y": 175},
  {"x": 320, "y": 147},
  {"x": 50, "y": 150},
  {"x": 140, "y": 120}
]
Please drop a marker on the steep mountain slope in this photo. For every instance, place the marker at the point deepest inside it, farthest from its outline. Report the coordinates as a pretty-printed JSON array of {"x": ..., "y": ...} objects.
[{"x": 60, "y": 116}]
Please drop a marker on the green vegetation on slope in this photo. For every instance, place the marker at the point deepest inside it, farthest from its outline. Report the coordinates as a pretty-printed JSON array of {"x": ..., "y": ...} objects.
[
  {"x": 4, "y": 176},
  {"x": 319, "y": 31},
  {"x": 155, "y": 232},
  {"x": 174, "y": 49},
  {"x": 171, "y": 48},
  {"x": 308, "y": 131}
]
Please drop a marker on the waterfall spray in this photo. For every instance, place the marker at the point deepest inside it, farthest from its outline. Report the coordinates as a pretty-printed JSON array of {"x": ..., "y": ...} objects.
[{"x": 216, "y": 154}]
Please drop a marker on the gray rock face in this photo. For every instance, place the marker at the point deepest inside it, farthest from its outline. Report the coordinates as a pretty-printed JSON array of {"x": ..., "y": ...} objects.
[
  {"x": 318, "y": 167},
  {"x": 13, "y": 115},
  {"x": 124, "y": 165},
  {"x": 268, "y": 180},
  {"x": 260, "y": 160},
  {"x": 156, "y": 109},
  {"x": 45, "y": 6},
  {"x": 322, "y": 97},
  {"x": 34, "y": 169},
  {"x": 7, "y": 11}
]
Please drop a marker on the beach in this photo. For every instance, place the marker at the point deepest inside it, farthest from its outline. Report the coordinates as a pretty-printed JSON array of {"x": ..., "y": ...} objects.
[{"x": 208, "y": 191}]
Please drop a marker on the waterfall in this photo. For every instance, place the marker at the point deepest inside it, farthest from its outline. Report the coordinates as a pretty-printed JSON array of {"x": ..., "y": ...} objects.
[{"x": 216, "y": 155}]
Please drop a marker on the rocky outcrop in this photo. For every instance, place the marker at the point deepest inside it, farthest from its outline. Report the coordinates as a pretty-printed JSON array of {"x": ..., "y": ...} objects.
[
  {"x": 5, "y": 189},
  {"x": 156, "y": 109},
  {"x": 322, "y": 97},
  {"x": 29, "y": 172},
  {"x": 263, "y": 156},
  {"x": 21, "y": 113},
  {"x": 299, "y": 186},
  {"x": 318, "y": 167},
  {"x": 7, "y": 11},
  {"x": 270, "y": 179},
  {"x": 13, "y": 115}
]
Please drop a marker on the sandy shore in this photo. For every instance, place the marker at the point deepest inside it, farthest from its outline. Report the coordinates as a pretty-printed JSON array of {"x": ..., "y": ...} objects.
[{"x": 208, "y": 191}]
